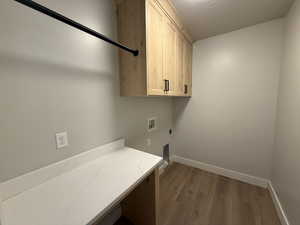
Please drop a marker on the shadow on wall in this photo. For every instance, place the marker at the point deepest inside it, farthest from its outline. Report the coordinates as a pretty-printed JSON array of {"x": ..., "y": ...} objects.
[
  {"x": 180, "y": 105},
  {"x": 40, "y": 98},
  {"x": 23, "y": 62},
  {"x": 54, "y": 78}
]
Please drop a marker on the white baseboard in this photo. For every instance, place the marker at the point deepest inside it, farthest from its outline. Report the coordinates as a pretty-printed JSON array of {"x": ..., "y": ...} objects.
[
  {"x": 222, "y": 171},
  {"x": 280, "y": 212},
  {"x": 241, "y": 177}
]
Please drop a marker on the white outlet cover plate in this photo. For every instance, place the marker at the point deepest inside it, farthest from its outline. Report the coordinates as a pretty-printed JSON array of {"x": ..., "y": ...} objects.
[{"x": 61, "y": 140}]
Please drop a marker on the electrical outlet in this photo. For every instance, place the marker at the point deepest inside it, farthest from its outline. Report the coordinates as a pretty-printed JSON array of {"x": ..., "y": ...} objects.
[{"x": 61, "y": 140}]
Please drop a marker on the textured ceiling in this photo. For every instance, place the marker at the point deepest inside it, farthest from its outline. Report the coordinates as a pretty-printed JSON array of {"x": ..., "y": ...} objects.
[{"x": 206, "y": 18}]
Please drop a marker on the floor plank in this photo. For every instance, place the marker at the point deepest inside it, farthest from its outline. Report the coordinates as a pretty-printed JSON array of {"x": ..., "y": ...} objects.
[{"x": 190, "y": 196}]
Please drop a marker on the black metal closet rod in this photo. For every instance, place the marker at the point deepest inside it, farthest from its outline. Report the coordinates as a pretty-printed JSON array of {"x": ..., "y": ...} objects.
[{"x": 73, "y": 23}]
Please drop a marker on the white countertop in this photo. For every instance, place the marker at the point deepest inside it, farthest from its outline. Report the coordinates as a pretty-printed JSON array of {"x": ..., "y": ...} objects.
[{"x": 77, "y": 196}]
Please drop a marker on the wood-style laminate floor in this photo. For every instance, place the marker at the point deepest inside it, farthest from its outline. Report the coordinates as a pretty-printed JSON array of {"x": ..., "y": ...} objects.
[{"x": 190, "y": 196}]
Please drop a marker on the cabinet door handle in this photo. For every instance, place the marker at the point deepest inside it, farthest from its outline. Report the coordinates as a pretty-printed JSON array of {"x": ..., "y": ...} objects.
[
  {"x": 185, "y": 89},
  {"x": 166, "y": 86}
]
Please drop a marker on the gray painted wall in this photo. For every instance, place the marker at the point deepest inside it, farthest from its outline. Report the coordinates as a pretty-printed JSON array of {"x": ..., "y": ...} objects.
[
  {"x": 286, "y": 164},
  {"x": 230, "y": 120},
  {"x": 54, "y": 78}
]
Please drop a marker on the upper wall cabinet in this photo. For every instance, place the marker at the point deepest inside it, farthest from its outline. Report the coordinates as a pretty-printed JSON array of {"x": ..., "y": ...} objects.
[{"x": 164, "y": 65}]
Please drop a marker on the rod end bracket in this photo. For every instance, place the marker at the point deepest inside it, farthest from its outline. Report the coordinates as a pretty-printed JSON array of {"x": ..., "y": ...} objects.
[{"x": 136, "y": 52}]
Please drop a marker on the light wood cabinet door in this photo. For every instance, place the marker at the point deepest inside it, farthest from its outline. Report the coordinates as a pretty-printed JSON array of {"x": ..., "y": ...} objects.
[
  {"x": 187, "y": 65},
  {"x": 155, "y": 50},
  {"x": 180, "y": 64},
  {"x": 154, "y": 28},
  {"x": 170, "y": 51},
  {"x": 189, "y": 68}
]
